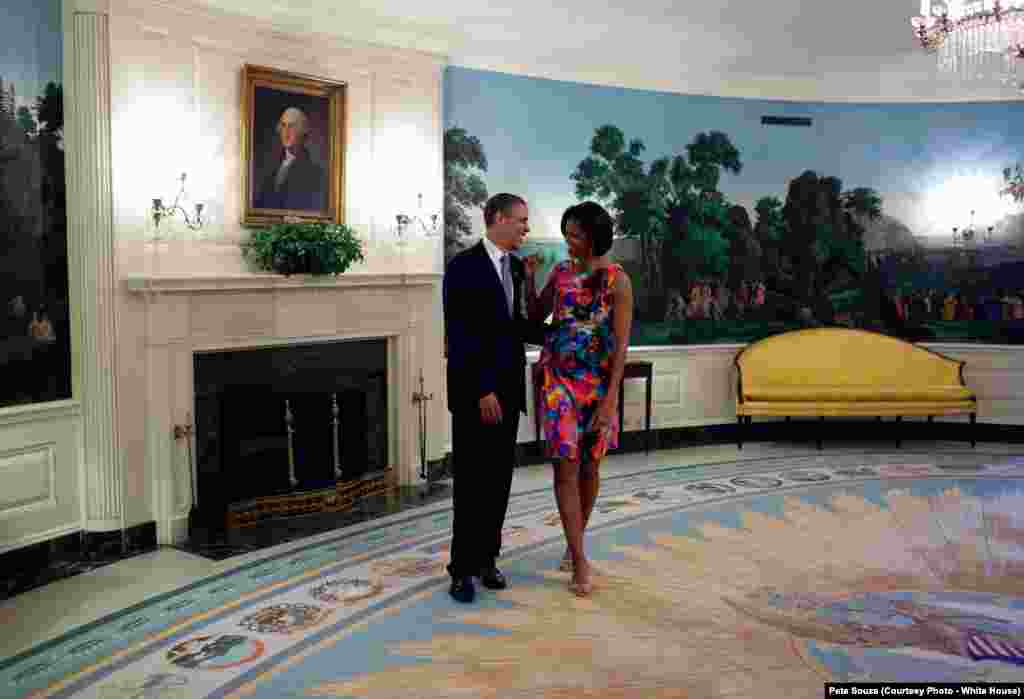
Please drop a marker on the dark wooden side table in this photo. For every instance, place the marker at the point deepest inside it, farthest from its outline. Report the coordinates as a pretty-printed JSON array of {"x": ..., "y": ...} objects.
[
  {"x": 536, "y": 375},
  {"x": 633, "y": 370},
  {"x": 637, "y": 370}
]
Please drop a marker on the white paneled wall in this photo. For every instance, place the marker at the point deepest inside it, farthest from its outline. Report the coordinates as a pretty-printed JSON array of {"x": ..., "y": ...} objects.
[
  {"x": 176, "y": 107},
  {"x": 996, "y": 374},
  {"x": 174, "y": 81},
  {"x": 695, "y": 386},
  {"x": 692, "y": 386},
  {"x": 40, "y": 454}
]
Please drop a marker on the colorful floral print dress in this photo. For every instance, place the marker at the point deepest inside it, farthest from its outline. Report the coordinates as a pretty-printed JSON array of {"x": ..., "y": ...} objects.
[{"x": 576, "y": 363}]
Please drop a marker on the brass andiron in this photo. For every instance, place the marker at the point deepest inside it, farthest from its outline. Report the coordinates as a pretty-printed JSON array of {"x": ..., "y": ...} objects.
[
  {"x": 289, "y": 420},
  {"x": 335, "y": 411},
  {"x": 195, "y": 516},
  {"x": 185, "y": 432},
  {"x": 421, "y": 397}
]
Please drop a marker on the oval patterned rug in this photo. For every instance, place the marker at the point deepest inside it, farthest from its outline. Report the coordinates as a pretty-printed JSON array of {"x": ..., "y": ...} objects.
[{"x": 771, "y": 576}]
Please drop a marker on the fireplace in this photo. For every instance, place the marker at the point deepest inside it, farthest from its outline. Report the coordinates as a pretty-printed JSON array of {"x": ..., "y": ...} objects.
[
  {"x": 288, "y": 430},
  {"x": 229, "y": 318}
]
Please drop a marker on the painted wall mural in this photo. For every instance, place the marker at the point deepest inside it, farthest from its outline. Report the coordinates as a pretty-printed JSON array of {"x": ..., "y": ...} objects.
[
  {"x": 35, "y": 330},
  {"x": 741, "y": 218}
]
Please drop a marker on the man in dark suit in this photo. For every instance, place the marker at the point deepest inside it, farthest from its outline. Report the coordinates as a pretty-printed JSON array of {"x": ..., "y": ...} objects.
[
  {"x": 294, "y": 181},
  {"x": 485, "y": 331}
]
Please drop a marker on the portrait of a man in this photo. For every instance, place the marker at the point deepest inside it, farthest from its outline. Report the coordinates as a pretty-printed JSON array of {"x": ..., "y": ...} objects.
[
  {"x": 293, "y": 148},
  {"x": 292, "y": 180}
]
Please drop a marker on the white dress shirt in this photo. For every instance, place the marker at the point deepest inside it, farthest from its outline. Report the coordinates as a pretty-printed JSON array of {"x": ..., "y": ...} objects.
[
  {"x": 496, "y": 254},
  {"x": 282, "y": 172}
]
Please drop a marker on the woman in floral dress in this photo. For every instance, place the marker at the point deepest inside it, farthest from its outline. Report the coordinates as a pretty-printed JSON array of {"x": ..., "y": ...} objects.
[{"x": 590, "y": 300}]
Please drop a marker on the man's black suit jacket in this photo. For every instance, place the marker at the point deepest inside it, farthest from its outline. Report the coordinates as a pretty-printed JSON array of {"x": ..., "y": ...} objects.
[
  {"x": 486, "y": 352},
  {"x": 304, "y": 187}
]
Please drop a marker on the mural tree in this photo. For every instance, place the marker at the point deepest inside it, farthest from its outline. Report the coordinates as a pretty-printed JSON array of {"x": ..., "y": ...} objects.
[
  {"x": 26, "y": 122},
  {"x": 863, "y": 201},
  {"x": 768, "y": 231},
  {"x": 33, "y": 225},
  {"x": 50, "y": 109},
  {"x": 843, "y": 245},
  {"x": 744, "y": 249},
  {"x": 710, "y": 154},
  {"x": 1013, "y": 225},
  {"x": 1014, "y": 180},
  {"x": 20, "y": 205},
  {"x": 464, "y": 188},
  {"x": 49, "y": 140},
  {"x": 821, "y": 234},
  {"x": 697, "y": 230},
  {"x": 697, "y": 242},
  {"x": 614, "y": 174}
]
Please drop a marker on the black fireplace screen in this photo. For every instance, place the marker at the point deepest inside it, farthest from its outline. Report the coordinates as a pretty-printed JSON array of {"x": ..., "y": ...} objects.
[{"x": 249, "y": 402}]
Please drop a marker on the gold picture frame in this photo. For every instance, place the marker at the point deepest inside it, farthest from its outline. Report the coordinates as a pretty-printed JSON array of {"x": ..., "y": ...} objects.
[{"x": 293, "y": 147}]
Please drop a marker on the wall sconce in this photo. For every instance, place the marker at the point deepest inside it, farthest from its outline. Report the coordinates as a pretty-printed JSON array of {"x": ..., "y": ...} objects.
[
  {"x": 404, "y": 221},
  {"x": 160, "y": 212},
  {"x": 967, "y": 237}
]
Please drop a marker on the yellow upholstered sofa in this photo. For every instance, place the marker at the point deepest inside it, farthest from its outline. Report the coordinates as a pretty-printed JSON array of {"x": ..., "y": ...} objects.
[{"x": 838, "y": 372}]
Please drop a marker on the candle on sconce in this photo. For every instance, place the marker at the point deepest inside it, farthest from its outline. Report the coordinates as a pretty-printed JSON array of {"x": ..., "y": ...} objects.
[
  {"x": 404, "y": 222},
  {"x": 191, "y": 212}
]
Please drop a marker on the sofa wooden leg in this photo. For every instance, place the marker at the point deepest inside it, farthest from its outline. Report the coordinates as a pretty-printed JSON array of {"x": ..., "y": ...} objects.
[
  {"x": 974, "y": 432},
  {"x": 739, "y": 431}
]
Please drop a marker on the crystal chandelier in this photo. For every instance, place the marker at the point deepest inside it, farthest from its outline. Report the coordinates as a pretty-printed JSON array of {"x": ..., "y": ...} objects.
[{"x": 975, "y": 40}]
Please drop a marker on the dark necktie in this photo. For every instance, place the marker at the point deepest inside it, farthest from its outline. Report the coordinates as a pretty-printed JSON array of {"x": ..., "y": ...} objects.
[{"x": 506, "y": 280}]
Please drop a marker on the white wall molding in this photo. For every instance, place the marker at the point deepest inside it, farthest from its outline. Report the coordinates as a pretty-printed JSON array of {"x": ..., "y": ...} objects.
[
  {"x": 43, "y": 444},
  {"x": 41, "y": 412},
  {"x": 176, "y": 72},
  {"x": 96, "y": 7},
  {"x": 274, "y": 282},
  {"x": 40, "y": 462},
  {"x": 90, "y": 226},
  {"x": 40, "y": 536},
  {"x": 695, "y": 386},
  {"x": 996, "y": 374},
  {"x": 190, "y": 21},
  {"x": 903, "y": 86},
  {"x": 272, "y": 311}
]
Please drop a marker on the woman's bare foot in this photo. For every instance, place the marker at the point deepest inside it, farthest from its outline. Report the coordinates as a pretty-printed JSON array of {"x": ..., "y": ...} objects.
[
  {"x": 581, "y": 584},
  {"x": 566, "y": 565}
]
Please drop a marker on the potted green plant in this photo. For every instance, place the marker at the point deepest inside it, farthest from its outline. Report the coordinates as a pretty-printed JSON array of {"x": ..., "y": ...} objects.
[{"x": 304, "y": 248}]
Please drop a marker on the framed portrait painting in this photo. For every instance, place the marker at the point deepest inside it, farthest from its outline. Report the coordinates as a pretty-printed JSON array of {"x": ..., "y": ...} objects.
[{"x": 293, "y": 147}]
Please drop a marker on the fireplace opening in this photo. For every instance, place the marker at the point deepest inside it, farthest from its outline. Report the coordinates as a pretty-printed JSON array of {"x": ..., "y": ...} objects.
[
  {"x": 289, "y": 430},
  {"x": 254, "y": 425}
]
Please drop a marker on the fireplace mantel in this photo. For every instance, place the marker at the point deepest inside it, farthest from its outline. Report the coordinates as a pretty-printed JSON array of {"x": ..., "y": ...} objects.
[
  {"x": 184, "y": 315},
  {"x": 271, "y": 282}
]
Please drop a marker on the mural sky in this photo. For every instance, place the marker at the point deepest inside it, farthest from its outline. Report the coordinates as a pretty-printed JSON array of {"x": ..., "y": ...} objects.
[
  {"x": 32, "y": 47},
  {"x": 932, "y": 163}
]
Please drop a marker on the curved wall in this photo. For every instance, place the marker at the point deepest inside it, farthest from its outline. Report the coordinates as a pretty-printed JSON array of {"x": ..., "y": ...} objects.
[
  {"x": 845, "y": 217},
  {"x": 695, "y": 386}
]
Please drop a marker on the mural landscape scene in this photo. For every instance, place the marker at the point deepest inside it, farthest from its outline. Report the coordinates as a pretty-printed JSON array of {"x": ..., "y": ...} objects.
[{"x": 905, "y": 219}]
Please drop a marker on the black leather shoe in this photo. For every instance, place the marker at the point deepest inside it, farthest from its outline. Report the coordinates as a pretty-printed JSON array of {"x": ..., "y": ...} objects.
[
  {"x": 462, "y": 590},
  {"x": 492, "y": 579}
]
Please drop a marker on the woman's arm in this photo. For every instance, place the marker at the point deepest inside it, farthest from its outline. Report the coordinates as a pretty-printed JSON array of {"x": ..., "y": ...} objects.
[
  {"x": 538, "y": 307},
  {"x": 622, "y": 324}
]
